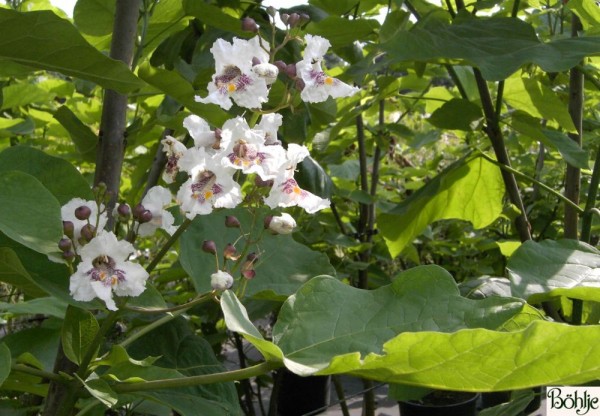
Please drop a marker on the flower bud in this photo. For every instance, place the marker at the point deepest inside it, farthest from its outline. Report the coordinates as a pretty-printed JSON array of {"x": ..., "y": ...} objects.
[
  {"x": 283, "y": 224},
  {"x": 284, "y": 17},
  {"x": 267, "y": 221},
  {"x": 251, "y": 257},
  {"x": 145, "y": 217},
  {"x": 88, "y": 232},
  {"x": 65, "y": 244},
  {"x": 221, "y": 280},
  {"x": 68, "y": 255},
  {"x": 232, "y": 222},
  {"x": 138, "y": 210},
  {"x": 99, "y": 189},
  {"x": 293, "y": 20},
  {"x": 124, "y": 211},
  {"x": 249, "y": 25},
  {"x": 267, "y": 71},
  {"x": 230, "y": 252},
  {"x": 300, "y": 84},
  {"x": 261, "y": 183},
  {"x": 83, "y": 212},
  {"x": 271, "y": 11},
  {"x": 209, "y": 246},
  {"x": 68, "y": 229},
  {"x": 303, "y": 19},
  {"x": 249, "y": 274},
  {"x": 280, "y": 65},
  {"x": 290, "y": 70}
]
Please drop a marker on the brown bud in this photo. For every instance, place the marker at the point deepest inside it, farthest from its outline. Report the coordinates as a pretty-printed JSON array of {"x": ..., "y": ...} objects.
[
  {"x": 293, "y": 20},
  {"x": 68, "y": 228},
  {"x": 83, "y": 212},
  {"x": 249, "y": 25},
  {"x": 232, "y": 222},
  {"x": 230, "y": 252},
  {"x": 209, "y": 246},
  {"x": 65, "y": 244},
  {"x": 88, "y": 232}
]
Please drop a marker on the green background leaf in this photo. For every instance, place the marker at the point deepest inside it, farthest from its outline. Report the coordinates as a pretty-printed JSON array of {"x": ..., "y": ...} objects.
[
  {"x": 58, "y": 46},
  {"x": 78, "y": 332},
  {"x": 539, "y": 271},
  {"x": 5, "y": 362},
  {"x": 470, "y": 191},
  {"x": 29, "y": 213}
]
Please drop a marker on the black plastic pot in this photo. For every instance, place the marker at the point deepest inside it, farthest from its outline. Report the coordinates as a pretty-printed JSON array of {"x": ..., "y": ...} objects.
[
  {"x": 442, "y": 403},
  {"x": 301, "y": 395}
]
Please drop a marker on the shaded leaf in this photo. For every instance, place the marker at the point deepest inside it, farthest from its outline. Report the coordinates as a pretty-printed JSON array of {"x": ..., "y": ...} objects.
[
  {"x": 343, "y": 32},
  {"x": 283, "y": 264},
  {"x": 83, "y": 137},
  {"x": 470, "y": 191},
  {"x": 94, "y": 17},
  {"x": 484, "y": 287},
  {"x": 60, "y": 177},
  {"x": 13, "y": 273},
  {"x": 46, "y": 306},
  {"x": 5, "y": 362},
  {"x": 456, "y": 114},
  {"x": 588, "y": 12},
  {"x": 213, "y": 16},
  {"x": 539, "y": 271},
  {"x": 29, "y": 213},
  {"x": 101, "y": 391},
  {"x": 79, "y": 329},
  {"x": 58, "y": 46},
  {"x": 498, "y": 46}
]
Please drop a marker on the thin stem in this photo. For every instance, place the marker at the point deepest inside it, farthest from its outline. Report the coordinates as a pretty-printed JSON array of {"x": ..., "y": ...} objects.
[
  {"x": 532, "y": 180},
  {"x": 246, "y": 386},
  {"x": 586, "y": 220},
  {"x": 38, "y": 373},
  {"x": 573, "y": 174},
  {"x": 235, "y": 375},
  {"x": 136, "y": 335},
  {"x": 197, "y": 301},
  {"x": 87, "y": 408},
  {"x": 494, "y": 133},
  {"x": 165, "y": 248},
  {"x": 339, "y": 390}
]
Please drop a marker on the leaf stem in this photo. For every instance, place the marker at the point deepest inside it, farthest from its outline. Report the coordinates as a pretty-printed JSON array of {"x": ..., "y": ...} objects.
[
  {"x": 127, "y": 341},
  {"x": 163, "y": 250},
  {"x": 39, "y": 373},
  {"x": 586, "y": 219},
  {"x": 532, "y": 180},
  {"x": 234, "y": 375},
  {"x": 198, "y": 300}
]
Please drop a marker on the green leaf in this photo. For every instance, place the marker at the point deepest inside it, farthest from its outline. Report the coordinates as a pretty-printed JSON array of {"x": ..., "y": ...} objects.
[
  {"x": 41, "y": 342},
  {"x": 21, "y": 94},
  {"x": 213, "y": 16},
  {"x": 118, "y": 355},
  {"x": 539, "y": 271},
  {"x": 78, "y": 332},
  {"x": 588, "y": 12},
  {"x": 13, "y": 273},
  {"x": 283, "y": 264},
  {"x": 531, "y": 96},
  {"x": 569, "y": 150},
  {"x": 518, "y": 402},
  {"x": 83, "y": 137},
  {"x": 58, "y": 46},
  {"x": 94, "y": 17},
  {"x": 343, "y": 32},
  {"x": 5, "y": 362},
  {"x": 470, "y": 191},
  {"x": 61, "y": 178},
  {"x": 456, "y": 114},
  {"x": 312, "y": 177},
  {"x": 29, "y": 213},
  {"x": 182, "y": 353},
  {"x": 498, "y": 46},
  {"x": 47, "y": 306},
  {"x": 484, "y": 287},
  {"x": 174, "y": 85},
  {"x": 101, "y": 391},
  {"x": 236, "y": 319}
]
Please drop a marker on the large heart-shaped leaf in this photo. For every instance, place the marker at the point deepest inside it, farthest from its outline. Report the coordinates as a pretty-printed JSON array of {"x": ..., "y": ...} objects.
[
  {"x": 470, "y": 191},
  {"x": 498, "y": 46},
  {"x": 394, "y": 334},
  {"x": 283, "y": 265},
  {"x": 539, "y": 271},
  {"x": 42, "y": 40}
]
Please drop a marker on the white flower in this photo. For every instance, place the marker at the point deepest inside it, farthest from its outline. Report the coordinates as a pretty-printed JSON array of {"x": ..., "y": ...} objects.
[
  {"x": 221, "y": 280},
  {"x": 175, "y": 151},
  {"x": 104, "y": 269},
  {"x": 318, "y": 85},
  {"x": 155, "y": 201},
  {"x": 269, "y": 124},
  {"x": 286, "y": 192},
  {"x": 282, "y": 224},
  {"x": 210, "y": 184},
  {"x": 234, "y": 78},
  {"x": 267, "y": 71},
  {"x": 67, "y": 212},
  {"x": 200, "y": 132},
  {"x": 244, "y": 149}
]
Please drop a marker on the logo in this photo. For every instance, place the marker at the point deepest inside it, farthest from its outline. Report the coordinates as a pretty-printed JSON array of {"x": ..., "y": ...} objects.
[{"x": 573, "y": 401}]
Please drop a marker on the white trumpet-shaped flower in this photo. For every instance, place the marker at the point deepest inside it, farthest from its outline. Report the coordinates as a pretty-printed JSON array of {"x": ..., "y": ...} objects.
[
  {"x": 234, "y": 78},
  {"x": 201, "y": 133},
  {"x": 155, "y": 201},
  {"x": 286, "y": 192},
  {"x": 104, "y": 270},
  {"x": 210, "y": 185},
  {"x": 317, "y": 84},
  {"x": 174, "y": 150}
]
